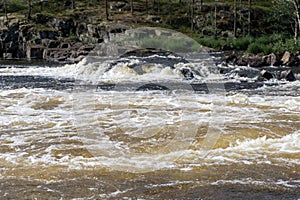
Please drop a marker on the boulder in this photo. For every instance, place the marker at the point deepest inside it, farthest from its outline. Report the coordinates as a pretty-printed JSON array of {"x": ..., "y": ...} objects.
[
  {"x": 187, "y": 73},
  {"x": 287, "y": 75},
  {"x": 266, "y": 75},
  {"x": 290, "y": 59},
  {"x": 251, "y": 60},
  {"x": 245, "y": 72},
  {"x": 270, "y": 60}
]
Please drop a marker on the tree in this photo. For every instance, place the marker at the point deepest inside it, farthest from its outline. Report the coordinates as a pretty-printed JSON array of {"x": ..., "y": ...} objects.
[
  {"x": 249, "y": 17},
  {"x": 106, "y": 9},
  {"x": 287, "y": 15},
  {"x": 215, "y": 16},
  {"x": 297, "y": 18},
  {"x": 5, "y": 9},
  {"x": 73, "y": 4},
  {"x": 234, "y": 18},
  {"x": 192, "y": 15},
  {"x": 28, "y": 10},
  {"x": 147, "y": 8}
]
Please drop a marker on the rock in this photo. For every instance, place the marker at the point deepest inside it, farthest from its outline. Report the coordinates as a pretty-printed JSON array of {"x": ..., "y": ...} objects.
[
  {"x": 53, "y": 44},
  {"x": 64, "y": 45},
  {"x": 287, "y": 75},
  {"x": 66, "y": 27},
  {"x": 35, "y": 52},
  {"x": 290, "y": 59},
  {"x": 187, "y": 73},
  {"x": 251, "y": 60},
  {"x": 270, "y": 60},
  {"x": 245, "y": 72},
  {"x": 48, "y": 34},
  {"x": 267, "y": 75},
  {"x": 81, "y": 29},
  {"x": 41, "y": 19},
  {"x": 7, "y": 55},
  {"x": 117, "y": 5},
  {"x": 231, "y": 58}
]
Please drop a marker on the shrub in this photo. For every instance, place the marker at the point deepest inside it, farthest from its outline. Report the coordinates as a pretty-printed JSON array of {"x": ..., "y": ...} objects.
[{"x": 255, "y": 48}]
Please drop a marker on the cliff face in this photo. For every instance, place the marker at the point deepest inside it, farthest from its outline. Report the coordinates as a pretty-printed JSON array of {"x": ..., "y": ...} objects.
[{"x": 64, "y": 39}]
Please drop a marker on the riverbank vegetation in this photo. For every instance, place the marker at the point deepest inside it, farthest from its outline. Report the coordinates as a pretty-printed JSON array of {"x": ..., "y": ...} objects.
[{"x": 243, "y": 25}]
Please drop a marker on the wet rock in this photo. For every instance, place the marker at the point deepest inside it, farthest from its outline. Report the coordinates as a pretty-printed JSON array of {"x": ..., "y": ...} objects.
[
  {"x": 152, "y": 86},
  {"x": 246, "y": 72},
  {"x": 187, "y": 73},
  {"x": 287, "y": 75},
  {"x": 266, "y": 75}
]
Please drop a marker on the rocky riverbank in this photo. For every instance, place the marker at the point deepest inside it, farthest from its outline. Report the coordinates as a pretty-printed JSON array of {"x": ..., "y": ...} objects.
[
  {"x": 265, "y": 67},
  {"x": 64, "y": 39}
]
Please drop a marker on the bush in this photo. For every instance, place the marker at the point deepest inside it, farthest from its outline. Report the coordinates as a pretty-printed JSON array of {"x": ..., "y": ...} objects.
[
  {"x": 211, "y": 42},
  {"x": 255, "y": 48},
  {"x": 243, "y": 43}
]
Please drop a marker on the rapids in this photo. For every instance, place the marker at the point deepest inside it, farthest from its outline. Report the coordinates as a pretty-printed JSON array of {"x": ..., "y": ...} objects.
[{"x": 130, "y": 128}]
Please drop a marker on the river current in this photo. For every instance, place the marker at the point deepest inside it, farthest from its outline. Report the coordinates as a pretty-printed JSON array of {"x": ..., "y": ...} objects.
[{"x": 106, "y": 130}]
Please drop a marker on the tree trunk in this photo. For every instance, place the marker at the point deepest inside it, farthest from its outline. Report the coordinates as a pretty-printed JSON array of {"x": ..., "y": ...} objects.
[
  {"x": 297, "y": 22},
  {"x": 29, "y": 10},
  {"x": 249, "y": 17},
  {"x": 234, "y": 18},
  {"x": 192, "y": 15},
  {"x": 73, "y": 4},
  {"x": 215, "y": 16},
  {"x": 158, "y": 7},
  {"x": 147, "y": 8},
  {"x": 5, "y": 10},
  {"x": 106, "y": 9},
  {"x": 201, "y": 5},
  {"x": 131, "y": 7}
]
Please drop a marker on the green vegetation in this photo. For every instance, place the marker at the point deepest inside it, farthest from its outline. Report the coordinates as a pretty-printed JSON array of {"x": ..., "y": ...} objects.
[
  {"x": 275, "y": 43},
  {"x": 273, "y": 25}
]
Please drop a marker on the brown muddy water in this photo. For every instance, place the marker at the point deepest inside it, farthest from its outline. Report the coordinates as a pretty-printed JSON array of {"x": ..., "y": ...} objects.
[{"x": 59, "y": 140}]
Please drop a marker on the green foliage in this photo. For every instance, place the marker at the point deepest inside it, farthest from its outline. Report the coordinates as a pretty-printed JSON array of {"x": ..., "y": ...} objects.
[
  {"x": 73, "y": 38},
  {"x": 240, "y": 43},
  {"x": 257, "y": 47},
  {"x": 16, "y": 6},
  {"x": 211, "y": 42},
  {"x": 176, "y": 44}
]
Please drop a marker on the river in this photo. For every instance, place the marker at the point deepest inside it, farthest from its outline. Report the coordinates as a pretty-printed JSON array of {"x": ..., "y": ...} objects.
[{"x": 103, "y": 129}]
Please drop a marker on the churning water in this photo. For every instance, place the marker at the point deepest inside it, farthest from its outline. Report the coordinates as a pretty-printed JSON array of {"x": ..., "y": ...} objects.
[{"x": 107, "y": 130}]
